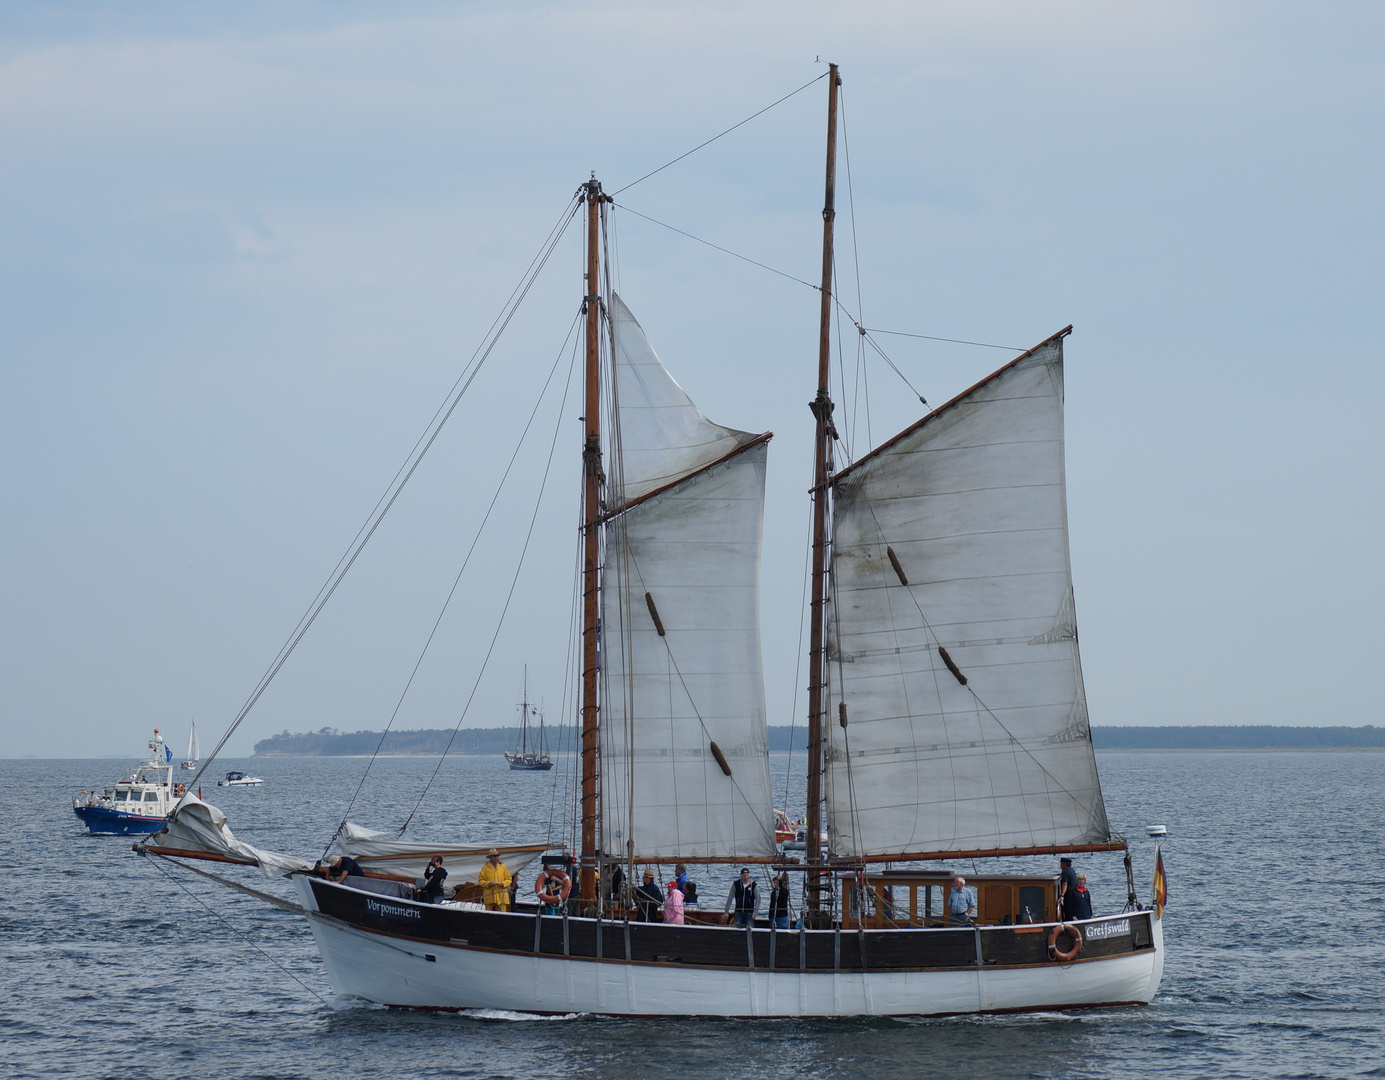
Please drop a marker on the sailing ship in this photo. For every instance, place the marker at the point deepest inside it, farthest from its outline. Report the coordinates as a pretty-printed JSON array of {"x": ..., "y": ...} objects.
[
  {"x": 946, "y": 722},
  {"x": 194, "y": 748},
  {"x": 524, "y": 758}
]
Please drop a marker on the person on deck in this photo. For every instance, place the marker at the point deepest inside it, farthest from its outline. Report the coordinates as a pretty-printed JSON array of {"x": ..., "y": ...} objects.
[
  {"x": 1067, "y": 889},
  {"x": 1081, "y": 899},
  {"x": 494, "y": 880},
  {"x": 742, "y": 900},
  {"x": 649, "y": 898},
  {"x": 961, "y": 902},
  {"x": 779, "y": 902},
  {"x": 344, "y": 866},
  {"x": 433, "y": 877},
  {"x": 673, "y": 904},
  {"x": 552, "y": 889}
]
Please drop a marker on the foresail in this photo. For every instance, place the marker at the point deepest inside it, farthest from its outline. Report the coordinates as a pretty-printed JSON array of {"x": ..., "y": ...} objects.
[
  {"x": 199, "y": 830},
  {"x": 950, "y": 562},
  {"x": 660, "y": 436},
  {"x": 684, "y": 743}
]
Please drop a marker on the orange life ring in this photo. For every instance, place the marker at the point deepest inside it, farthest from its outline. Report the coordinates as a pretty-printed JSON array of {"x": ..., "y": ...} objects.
[
  {"x": 1071, "y": 954},
  {"x": 564, "y": 890}
]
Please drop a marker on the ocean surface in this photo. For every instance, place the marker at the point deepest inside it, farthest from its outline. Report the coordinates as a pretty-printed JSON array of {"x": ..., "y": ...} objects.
[{"x": 126, "y": 967}]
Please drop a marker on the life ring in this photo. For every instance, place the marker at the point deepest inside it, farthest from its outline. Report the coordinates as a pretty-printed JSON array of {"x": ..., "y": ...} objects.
[
  {"x": 1071, "y": 954},
  {"x": 563, "y": 890}
]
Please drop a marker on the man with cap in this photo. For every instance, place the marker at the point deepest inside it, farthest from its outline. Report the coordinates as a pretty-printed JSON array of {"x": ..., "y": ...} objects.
[
  {"x": 741, "y": 900},
  {"x": 649, "y": 898},
  {"x": 494, "y": 880},
  {"x": 1067, "y": 889}
]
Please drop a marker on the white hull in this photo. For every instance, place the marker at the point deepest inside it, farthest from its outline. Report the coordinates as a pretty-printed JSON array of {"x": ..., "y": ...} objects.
[{"x": 397, "y": 971}]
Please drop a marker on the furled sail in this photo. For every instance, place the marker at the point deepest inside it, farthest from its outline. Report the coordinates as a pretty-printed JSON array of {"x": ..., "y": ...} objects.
[
  {"x": 684, "y": 746},
  {"x": 198, "y": 830},
  {"x": 950, "y": 563},
  {"x": 378, "y": 854}
]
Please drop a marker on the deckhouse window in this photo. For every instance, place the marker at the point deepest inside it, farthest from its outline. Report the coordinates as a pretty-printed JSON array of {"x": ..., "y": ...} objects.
[
  {"x": 151, "y": 796},
  {"x": 120, "y": 796}
]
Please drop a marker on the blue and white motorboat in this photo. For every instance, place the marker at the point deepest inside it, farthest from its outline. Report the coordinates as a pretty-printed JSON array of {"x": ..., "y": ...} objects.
[{"x": 138, "y": 804}]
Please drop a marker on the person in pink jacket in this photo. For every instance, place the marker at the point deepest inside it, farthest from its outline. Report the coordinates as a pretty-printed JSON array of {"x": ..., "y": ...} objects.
[{"x": 673, "y": 904}]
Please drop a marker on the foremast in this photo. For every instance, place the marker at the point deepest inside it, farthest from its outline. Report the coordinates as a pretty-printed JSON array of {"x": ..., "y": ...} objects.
[
  {"x": 822, "y": 471},
  {"x": 593, "y": 478}
]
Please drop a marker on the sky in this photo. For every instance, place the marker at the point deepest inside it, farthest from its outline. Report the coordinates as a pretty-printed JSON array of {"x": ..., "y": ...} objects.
[{"x": 247, "y": 250}]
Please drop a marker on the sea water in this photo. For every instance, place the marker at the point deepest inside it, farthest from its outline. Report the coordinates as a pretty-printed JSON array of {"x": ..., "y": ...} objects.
[{"x": 125, "y": 967}]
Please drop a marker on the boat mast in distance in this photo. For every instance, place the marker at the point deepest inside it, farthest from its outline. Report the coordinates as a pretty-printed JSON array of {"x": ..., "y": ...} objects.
[
  {"x": 525, "y": 759},
  {"x": 822, "y": 469}
]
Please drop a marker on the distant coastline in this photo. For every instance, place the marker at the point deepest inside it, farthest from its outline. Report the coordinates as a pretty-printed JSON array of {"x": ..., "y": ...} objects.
[{"x": 329, "y": 742}]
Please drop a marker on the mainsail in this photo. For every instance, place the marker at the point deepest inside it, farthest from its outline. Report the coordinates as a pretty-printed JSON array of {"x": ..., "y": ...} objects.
[
  {"x": 950, "y": 562},
  {"x": 684, "y": 746}
]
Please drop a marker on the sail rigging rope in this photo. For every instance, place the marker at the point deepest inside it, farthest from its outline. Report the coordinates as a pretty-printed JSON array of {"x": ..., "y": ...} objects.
[
  {"x": 403, "y": 475},
  {"x": 275, "y": 900},
  {"x": 728, "y": 131},
  {"x": 476, "y": 539},
  {"x": 718, "y": 247},
  {"x": 852, "y": 317},
  {"x": 509, "y": 597},
  {"x": 862, "y": 395}
]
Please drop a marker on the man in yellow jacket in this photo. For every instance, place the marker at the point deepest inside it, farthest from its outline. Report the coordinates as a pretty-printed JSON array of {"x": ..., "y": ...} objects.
[{"x": 495, "y": 882}]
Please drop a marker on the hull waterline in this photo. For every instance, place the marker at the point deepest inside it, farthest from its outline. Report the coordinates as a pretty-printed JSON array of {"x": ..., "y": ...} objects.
[
  {"x": 395, "y": 968},
  {"x": 101, "y": 821}
]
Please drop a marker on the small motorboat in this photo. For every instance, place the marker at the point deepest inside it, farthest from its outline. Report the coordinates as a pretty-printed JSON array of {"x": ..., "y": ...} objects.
[{"x": 239, "y": 779}]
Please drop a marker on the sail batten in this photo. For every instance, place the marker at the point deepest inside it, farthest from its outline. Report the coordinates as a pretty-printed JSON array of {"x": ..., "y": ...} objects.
[{"x": 953, "y": 638}]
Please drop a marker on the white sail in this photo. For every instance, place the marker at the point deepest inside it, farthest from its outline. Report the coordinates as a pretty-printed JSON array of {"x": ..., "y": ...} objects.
[
  {"x": 194, "y": 748},
  {"x": 972, "y": 502},
  {"x": 685, "y": 560},
  {"x": 660, "y": 435}
]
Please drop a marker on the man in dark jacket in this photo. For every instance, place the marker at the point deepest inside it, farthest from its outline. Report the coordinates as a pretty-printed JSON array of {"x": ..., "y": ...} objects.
[
  {"x": 433, "y": 877},
  {"x": 649, "y": 898},
  {"x": 1067, "y": 888},
  {"x": 742, "y": 899},
  {"x": 342, "y": 867}
]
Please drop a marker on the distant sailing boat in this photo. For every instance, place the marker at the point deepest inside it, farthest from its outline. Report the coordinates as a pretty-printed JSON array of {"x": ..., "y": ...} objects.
[
  {"x": 194, "y": 748},
  {"x": 524, "y": 758}
]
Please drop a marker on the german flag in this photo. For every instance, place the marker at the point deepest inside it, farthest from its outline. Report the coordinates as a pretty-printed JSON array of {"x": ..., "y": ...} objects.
[{"x": 1161, "y": 885}]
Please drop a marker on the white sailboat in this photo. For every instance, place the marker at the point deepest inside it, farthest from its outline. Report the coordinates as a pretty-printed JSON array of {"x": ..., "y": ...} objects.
[
  {"x": 194, "y": 748},
  {"x": 947, "y": 722}
]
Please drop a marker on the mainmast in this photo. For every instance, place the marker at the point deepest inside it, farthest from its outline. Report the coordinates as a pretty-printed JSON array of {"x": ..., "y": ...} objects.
[
  {"x": 822, "y": 470},
  {"x": 592, "y": 478}
]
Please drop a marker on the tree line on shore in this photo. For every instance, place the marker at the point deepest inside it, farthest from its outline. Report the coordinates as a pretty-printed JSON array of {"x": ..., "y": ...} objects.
[{"x": 329, "y": 742}]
